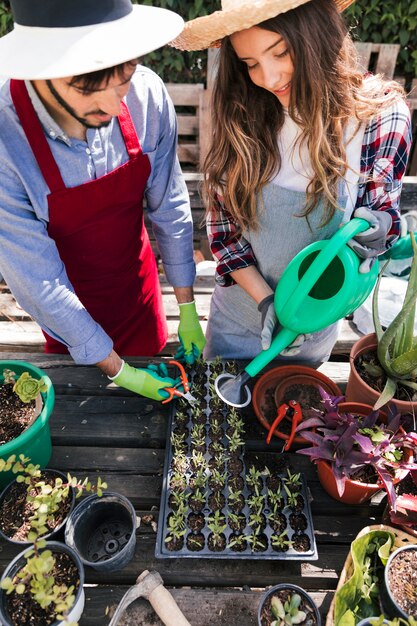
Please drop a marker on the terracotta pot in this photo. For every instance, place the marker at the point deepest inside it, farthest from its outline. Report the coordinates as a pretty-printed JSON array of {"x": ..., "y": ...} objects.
[
  {"x": 355, "y": 492},
  {"x": 358, "y": 391},
  {"x": 277, "y": 380}
]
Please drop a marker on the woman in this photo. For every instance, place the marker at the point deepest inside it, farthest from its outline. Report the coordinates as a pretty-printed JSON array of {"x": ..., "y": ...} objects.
[{"x": 302, "y": 141}]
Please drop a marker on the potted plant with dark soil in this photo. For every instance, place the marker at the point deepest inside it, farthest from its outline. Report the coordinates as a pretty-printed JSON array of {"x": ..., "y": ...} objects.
[
  {"x": 285, "y": 383},
  {"x": 358, "y": 451},
  {"x": 399, "y": 593},
  {"x": 26, "y": 402},
  {"x": 384, "y": 364},
  {"x": 286, "y": 604},
  {"x": 43, "y": 586},
  {"x": 38, "y": 502}
]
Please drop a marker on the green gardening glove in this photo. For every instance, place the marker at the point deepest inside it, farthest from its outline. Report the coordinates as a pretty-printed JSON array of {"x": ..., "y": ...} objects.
[
  {"x": 149, "y": 382},
  {"x": 190, "y": 334}
]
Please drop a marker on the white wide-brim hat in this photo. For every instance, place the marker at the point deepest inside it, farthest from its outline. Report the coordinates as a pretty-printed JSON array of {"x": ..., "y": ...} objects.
[
  {"x": 236, "y": 15},
  {"x": 60, "y": 38}
]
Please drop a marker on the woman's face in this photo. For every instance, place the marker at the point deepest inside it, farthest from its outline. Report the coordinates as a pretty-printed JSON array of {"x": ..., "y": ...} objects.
[{"x": 268, "y": 59}]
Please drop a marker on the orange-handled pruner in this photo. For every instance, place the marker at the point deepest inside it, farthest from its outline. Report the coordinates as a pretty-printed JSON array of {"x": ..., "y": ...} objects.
[
  {"x": 173, "y": 391},
  {"x": 291, "y": 410}
]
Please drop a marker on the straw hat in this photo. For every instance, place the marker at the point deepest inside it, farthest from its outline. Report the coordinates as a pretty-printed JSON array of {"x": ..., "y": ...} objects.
[
  {"x": 207, "y": 31},
  {"x": 59, "y": 38}
]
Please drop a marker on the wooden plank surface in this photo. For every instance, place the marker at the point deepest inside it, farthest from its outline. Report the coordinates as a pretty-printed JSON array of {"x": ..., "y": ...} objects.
[{"x": 98, "y": 428}]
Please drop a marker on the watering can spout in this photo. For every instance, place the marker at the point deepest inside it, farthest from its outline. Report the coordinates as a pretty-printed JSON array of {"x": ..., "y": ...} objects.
[{"x": 233, "y": 390}]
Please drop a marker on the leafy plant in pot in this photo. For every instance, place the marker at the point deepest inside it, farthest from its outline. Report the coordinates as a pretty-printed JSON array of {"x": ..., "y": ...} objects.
[
  {"x": 384, "y": 364},
  {"x": 357, "y": 454},
  {"x": 26, "y": 402},
  {"x": 286, "y": 604},
  {"x": 399, "y": 592},
  {"x": 38, "y": 502}
]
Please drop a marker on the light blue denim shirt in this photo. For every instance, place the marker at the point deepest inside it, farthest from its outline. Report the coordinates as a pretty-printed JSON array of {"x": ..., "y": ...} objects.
[{"x": 29, "y": 259}]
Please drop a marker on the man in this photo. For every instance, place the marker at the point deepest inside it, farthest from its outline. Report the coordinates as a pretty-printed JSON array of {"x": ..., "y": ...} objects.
[{"x": 85, "y": 134}]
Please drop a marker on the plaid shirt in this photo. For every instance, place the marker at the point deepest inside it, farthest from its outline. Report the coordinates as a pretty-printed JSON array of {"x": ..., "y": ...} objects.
[{"x": 385, "y": 151}]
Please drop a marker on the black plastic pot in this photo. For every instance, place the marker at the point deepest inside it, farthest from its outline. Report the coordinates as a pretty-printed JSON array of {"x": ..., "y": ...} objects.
[
  {"x": 58, "y": 533},
  {"x": 388, "y": 601},
  {"x": 19, "y": 562},
  {"x": 294, "y": 589},
  {"x": 102, "y": 531}
]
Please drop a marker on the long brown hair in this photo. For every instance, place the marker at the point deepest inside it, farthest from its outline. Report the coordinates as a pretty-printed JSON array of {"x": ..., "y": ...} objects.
[{"x": 328, "y": 89}]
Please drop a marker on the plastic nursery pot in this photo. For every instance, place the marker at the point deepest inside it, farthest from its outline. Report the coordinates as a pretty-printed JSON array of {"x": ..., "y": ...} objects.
[
  {"x": 102, "y": 531},
  {"x": 35, "y": 441},
  {"x": 292, "y": 589},
  {"x": 271, "y": 387},
  {"x": 392, "y": 605},
  {"x": 355, "y": 492},
  {"x": 58, "y": 532},
  {"x": 19, "y": 562},
  {"x": 358, "y": 390}
]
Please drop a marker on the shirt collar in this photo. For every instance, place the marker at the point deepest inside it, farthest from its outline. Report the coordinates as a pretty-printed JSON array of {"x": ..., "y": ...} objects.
[{"x": 52, "y": 129}]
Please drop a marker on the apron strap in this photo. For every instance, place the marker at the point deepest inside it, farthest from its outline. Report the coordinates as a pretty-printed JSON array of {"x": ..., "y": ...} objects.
[
  {"x": 36, "y": 136},
  {"x": 128, "y": 131}
]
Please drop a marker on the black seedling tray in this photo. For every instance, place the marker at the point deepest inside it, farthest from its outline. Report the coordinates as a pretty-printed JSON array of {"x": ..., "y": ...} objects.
[{"x": 304, "y": 535}]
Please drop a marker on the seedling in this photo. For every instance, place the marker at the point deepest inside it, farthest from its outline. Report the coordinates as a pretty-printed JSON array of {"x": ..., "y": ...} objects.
[
  {"x": 282, "y": 541},
  {"x": 235, "y": 441},
  {"x": 217, "y": 525},
  {"x": 256, "y": 501},
  {"x": 289, "y": 612}
]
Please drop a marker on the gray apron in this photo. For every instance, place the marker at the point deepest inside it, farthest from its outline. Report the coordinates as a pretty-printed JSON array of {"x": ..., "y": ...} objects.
[{"x": 234, "y": 324}]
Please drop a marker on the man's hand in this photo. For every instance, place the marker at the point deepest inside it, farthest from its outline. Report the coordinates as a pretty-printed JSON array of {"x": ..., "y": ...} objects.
[
  {"x": 372, "y": 242},
  {"x": 149, "y": 382},
  {"x": 190, "y": 334},
  {"x": 268, "y": 320},
  {"x": 295, "y": 347}
]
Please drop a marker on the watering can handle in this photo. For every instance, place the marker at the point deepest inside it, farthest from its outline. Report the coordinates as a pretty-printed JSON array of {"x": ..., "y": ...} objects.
[
  {"x": 322, "y": 261},
  {"x": 402, "y": 249}
]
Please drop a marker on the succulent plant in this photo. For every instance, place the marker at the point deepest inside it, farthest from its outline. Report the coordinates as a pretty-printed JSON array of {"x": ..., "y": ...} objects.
[
  {"x": 28, "y": 388},
  {"x": 289, "y": 612}
]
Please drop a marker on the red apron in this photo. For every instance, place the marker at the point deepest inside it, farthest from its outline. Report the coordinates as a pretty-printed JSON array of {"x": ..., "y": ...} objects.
[{"x": 99, "y": 231}]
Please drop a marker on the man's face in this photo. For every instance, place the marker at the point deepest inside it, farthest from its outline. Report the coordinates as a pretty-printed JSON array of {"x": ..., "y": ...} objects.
[{"x": 92, "y": 108}]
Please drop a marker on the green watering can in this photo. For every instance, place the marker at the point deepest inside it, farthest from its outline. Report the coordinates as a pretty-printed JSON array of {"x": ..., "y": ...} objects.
[{"x": 321, "y": 285}]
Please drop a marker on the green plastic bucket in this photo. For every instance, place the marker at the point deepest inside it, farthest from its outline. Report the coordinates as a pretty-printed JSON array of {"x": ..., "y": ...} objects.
[{"x": 35, "y": 441}]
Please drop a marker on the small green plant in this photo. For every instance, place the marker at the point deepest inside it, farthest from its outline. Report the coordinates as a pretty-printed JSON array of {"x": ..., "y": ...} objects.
[
  {"x": 216, "y": 523},
  {"x": 234, "y": 497},
  {"x": 288, "y": 612},
  {"x": 256, "y": 501},
  {"x": 235, "y": 441},
  {"x": 45, "y": 498},
  {"x": 25, "y": 387},
  {"x": 292, "y": 497},
  {"x": 254, "y": 479},
  {"x": 235, "y": 420},
  {"x": 293, "y": 480},
  {"x": 275, "y": 498},
  {"x": 282, "y": 541},
  {"x": 217, "y": 478},
  {"x": 178, "y": 443},
  {"x": 198, "y": 435},
  {"x": 38, "y": 575},
  {"x": 176, "y": 526},
  {"x": 397, "y": 345}
]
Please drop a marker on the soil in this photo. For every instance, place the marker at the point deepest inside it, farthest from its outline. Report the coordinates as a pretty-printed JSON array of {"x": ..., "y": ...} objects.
[
  {"x": 24, "y": 610},
  {"x": 195, "y": 505},
  {"x": 196, "y": 521},
  {"x": 402, "y": 578},
  {"x": 236, "y": 483},
  {"x": 298, "y": 521},
  {"x": 216, "y": 436},
  {"x": 195, "y": 542},
  {"x": 216, "y": 543},
  {"x": 239, "y": 524},
  {"x": 15, "y": 512},
  {"x": 216, "y": 501},
  {"x": 273, "y": 482},
  {"x": 266, "y": 615},
  {"x": 235, "y": 466},
  {"x": 300, "y": 504},
  {"x": 15, "y": 415},
  {"x": 366, "y": 475},
  {"x": 175, "y": 544},
  {"x": 278, "y": 523},
  {"x": 262, "y": 543},
  {"x": 301, "y": 542},
  {"x": 378, "y": 383}
]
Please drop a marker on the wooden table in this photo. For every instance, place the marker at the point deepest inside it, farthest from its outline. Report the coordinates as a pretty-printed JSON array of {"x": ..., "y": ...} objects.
[{"x": 98, "y": 428}]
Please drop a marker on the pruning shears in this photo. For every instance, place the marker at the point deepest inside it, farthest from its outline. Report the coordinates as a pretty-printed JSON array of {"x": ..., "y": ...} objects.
[
  {"x": 174, "y": 391},
  {"x": 292, "y": 410}
]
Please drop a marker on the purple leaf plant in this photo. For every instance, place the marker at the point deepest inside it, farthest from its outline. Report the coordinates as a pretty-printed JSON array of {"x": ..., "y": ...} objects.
[{"x": 349, "y": 442}]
